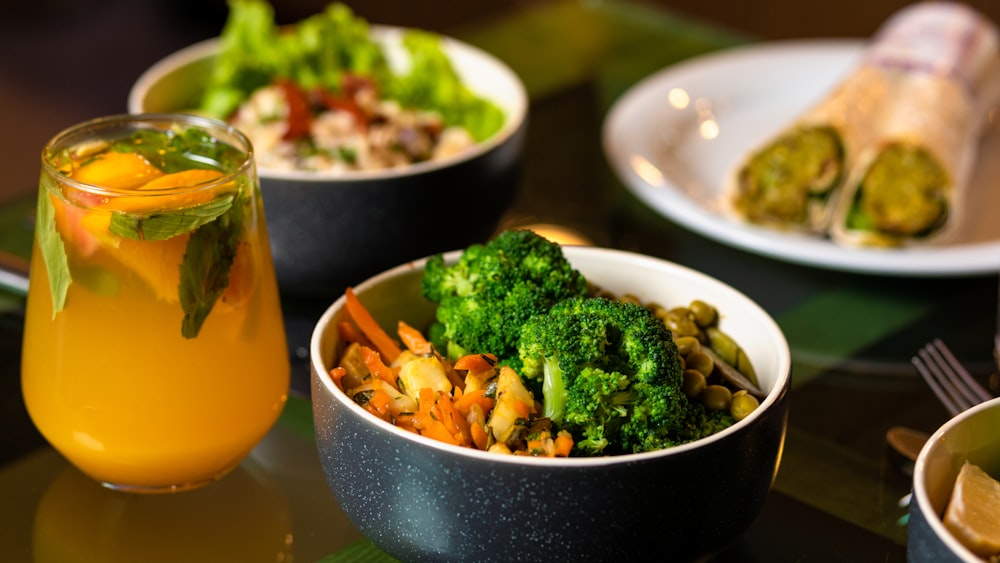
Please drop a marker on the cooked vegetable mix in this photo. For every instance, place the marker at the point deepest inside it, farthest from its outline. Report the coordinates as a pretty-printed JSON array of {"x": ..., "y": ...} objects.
[{"x": 580, "y": 372}]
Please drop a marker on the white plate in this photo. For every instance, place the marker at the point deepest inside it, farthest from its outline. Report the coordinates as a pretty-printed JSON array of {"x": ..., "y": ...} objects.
[{"x": 674, "y": 157}]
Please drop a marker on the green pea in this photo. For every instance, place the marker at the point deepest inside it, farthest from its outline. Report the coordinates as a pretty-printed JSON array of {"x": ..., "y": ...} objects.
[
  {"x": 657, "y": 309},
  {"x": 630, "y": 298},
  {"x": 687, "y": 345},
  {"x": 700, "y": 361},
  {"x": 716, "y": 397},
  {"x": 704, "y": 314},
  {"x": 743, "y": 404},
  {"x": 681, "y": 322},
  {"x": 694, "y": 383}
]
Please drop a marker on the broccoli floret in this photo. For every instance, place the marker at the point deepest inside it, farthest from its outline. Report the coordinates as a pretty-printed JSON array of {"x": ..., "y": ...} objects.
[
  {"x": 609, "y": 372},
  {"x": 701, "y": 421},
  {"x": 493, "y": 289}
]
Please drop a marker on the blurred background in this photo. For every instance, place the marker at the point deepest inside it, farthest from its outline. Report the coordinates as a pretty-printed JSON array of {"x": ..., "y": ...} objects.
[{"x": 65, "y": 61}]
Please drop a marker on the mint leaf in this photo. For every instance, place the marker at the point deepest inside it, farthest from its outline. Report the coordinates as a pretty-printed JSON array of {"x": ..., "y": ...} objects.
[
  {"x": 208, "y": 258},
  {"x": 179, "y": 150},
  {"x": 52, "y": 247},
  {"x": 163, "y": 225}
]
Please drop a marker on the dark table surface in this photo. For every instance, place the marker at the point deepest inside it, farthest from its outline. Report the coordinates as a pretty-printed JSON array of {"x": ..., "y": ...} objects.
[{"x": 836, "y": 495}]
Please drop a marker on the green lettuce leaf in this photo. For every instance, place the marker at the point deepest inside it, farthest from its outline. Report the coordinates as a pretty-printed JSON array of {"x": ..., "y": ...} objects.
[
  {"x": 432, "y": 83},
  {"x": 320, "y": 49}
]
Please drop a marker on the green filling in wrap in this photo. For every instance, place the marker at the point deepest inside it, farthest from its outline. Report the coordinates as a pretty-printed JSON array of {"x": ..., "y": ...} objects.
[
  {"x": 904, "y": 193},
  {"x": 780, "y": 183}
]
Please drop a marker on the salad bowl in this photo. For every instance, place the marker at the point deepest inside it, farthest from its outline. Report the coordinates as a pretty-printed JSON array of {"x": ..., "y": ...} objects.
[
  {"x": 329, "y": 230},
  {"x": 419, "y": 499}
]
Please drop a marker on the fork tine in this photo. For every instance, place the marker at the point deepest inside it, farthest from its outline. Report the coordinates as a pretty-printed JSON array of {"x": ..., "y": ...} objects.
[
  {"x": 971, "y": 388},
  {"x": 924, "y": 366},
  {"x": 946, "y": 377}
]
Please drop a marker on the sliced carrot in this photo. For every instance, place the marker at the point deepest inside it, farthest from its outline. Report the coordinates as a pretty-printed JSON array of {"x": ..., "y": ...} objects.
[
  {"x": 453, "y": 421},
  {"x": 336, "y": 374},
  {"x": 425, "y": 399},
  {"x": 413, "y": 339},
  {"x": 349, "y": 332},
  {"x": 476, "y": 362},
  {"x": 379, "y": 338},
  {"x": 535, "y": 446},
  {"x": 420, "y": 420},
  {"x": 437, "y": 431},
  {"x": 378, "y": 404},
  {"x": 375, "y": 365},
  {"x": 479, "y": 436},
  {"x": 523, "y": 410},
  {"x": 477, "y": 397},
  {"x": 564, "y": 443},
  {"x": 405, "y": 421}
]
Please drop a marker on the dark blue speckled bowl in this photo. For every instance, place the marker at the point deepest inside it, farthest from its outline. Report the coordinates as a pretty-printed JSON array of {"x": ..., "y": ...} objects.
[
  {"x": 973, "y": 435},
  {"x": 328, "y": 232},
  {"x": 421, "y": 500}
]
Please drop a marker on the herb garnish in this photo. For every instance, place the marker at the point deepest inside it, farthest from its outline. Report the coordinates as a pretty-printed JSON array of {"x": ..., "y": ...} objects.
[
  {"x": 179, "y": 150},
  {"x": 164, "y": 225},
  {"x": 51, "y": 245},
  {"x": 215, "y": 226},
  {"x": 208, "y": 259}
]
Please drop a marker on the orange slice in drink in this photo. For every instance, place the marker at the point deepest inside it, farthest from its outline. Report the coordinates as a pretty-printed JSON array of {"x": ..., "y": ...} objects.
[
  {"x": 972, "y": 511},
  {"x": 87, "y": 230},
  {"x": 117, "y": 171},
  {"x": 242, "y": 277},
  {"x": 147, "y": 203},
  {"x": 158, "y": 262}
]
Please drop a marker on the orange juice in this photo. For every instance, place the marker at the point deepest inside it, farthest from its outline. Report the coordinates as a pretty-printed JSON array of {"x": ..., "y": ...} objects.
[{"x": 154, "y": 351}]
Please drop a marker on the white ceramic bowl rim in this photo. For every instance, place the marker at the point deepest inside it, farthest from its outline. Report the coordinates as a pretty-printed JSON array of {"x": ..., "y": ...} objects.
[
  {"x": 920, "y": 476},
  {"x": 783, "y": 367},
  {"x": 476, "y": 61}
]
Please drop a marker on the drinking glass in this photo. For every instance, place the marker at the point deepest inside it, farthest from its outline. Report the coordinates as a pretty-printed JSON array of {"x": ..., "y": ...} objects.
[{"x": 154, "y": 354}]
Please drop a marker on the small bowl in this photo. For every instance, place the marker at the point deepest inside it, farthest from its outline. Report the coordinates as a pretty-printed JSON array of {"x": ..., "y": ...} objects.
[
  {"x": 419, "y": 499},
  {"x": 329, "y": 231},
  {"x": 972, "y": 435}
]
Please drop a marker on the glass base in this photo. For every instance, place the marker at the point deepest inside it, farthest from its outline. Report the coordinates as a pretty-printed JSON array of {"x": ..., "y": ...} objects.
[{"x": 164, "y": 489}]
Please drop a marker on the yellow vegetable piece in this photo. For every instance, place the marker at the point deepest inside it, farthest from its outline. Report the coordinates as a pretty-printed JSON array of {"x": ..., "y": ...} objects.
[
  {"x": 117, "y": 171},
  {"x": 514, "y": 403},
  {"x": 418, "y": 372},
  {"x": 972, "y": 511}
]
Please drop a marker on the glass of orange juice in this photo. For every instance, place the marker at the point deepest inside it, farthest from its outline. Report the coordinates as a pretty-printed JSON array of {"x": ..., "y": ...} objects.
[{"x": 154, "y": 354}]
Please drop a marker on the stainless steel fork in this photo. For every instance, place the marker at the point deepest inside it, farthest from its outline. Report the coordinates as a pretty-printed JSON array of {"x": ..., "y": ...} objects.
[{"x": 952, "y": 384}]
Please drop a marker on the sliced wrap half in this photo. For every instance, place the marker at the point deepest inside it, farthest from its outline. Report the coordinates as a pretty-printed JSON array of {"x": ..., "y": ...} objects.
[
  {"x": 793, "y": 180},
  {"x": 910, "y": 184}
]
